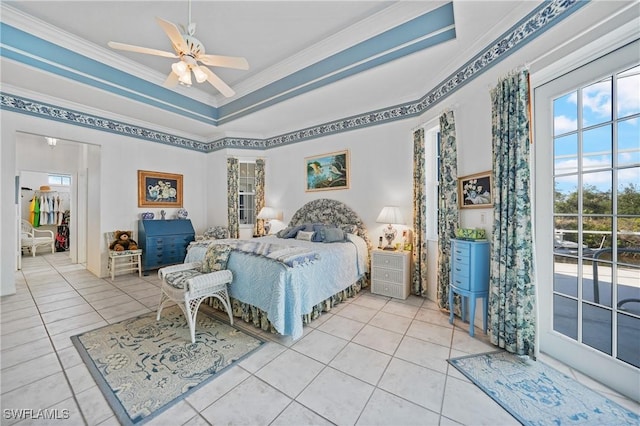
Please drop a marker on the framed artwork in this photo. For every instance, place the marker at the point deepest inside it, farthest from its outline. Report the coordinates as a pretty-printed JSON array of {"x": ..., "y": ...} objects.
[
  {"x": 327, "y": 171},
  {"x": 474, "y": 191},
  {"x": 157, "y": 189}
]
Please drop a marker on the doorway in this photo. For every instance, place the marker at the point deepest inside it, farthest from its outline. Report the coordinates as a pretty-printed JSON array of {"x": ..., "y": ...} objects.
[
  {"x": 587, "y": 228},
  {"x": 54, "y": 173}
]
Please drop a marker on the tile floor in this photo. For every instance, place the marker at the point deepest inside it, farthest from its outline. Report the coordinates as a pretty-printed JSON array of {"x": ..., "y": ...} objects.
[{"x": 370, "y": 361}]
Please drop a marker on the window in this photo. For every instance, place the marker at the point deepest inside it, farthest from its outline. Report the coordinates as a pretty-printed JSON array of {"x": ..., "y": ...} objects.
[
  {"x": 246, "y": 193},
  {"x": 596, "y": 219},
  {"x": 62, "y": 180},
  {"x": 587, "y": 163}
]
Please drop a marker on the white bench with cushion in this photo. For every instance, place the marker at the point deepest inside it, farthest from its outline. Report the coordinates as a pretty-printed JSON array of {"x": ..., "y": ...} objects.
[{"x": 188, "y": 284}]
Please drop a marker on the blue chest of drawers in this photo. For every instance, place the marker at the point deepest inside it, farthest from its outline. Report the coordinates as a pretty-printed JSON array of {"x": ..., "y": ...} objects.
[
  {"x": 469, "y": 277},
  {"x": 164, "y": 242}
]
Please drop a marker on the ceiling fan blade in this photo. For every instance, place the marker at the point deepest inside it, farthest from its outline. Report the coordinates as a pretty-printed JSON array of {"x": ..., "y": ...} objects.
[
  {"x": 138, "y": 49},
  {"x": 224, "y": 61},
  {"x": 217, "y": 82},
  {"x": 174, "y": 35},
  {"x": 171, "y": 81}
]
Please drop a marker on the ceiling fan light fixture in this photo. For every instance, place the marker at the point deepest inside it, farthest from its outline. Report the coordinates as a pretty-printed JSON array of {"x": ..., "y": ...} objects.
[
  {"x": 185, "y": 78},
  {"x": 191, "y": 53},
  {"x": 199, "y": 74},
  {"x": 180, "y": 68}
]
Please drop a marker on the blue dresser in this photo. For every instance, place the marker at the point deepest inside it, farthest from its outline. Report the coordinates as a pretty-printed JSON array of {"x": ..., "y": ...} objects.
[
  {"x": 164, "y": 242},
  {"x": 469, "y": 277}
]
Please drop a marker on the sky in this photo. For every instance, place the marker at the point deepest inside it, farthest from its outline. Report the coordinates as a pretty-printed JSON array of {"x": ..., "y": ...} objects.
[{"x": 597, "y": 131}]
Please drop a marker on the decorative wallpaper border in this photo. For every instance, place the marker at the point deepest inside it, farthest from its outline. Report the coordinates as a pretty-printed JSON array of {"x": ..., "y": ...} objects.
[
  {"x": 52, "y": 112},
  {"x": 538, "y": 21}
]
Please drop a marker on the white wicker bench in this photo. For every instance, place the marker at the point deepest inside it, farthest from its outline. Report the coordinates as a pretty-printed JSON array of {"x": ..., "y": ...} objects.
[{"x": 188, "y": 284}]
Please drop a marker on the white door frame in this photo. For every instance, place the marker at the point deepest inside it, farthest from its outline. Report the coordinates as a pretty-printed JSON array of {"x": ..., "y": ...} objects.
[{"x": 612, "y": 372}]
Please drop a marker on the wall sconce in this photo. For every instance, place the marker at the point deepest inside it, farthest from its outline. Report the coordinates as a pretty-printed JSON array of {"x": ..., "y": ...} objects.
[{"x": 51, "y": 142}]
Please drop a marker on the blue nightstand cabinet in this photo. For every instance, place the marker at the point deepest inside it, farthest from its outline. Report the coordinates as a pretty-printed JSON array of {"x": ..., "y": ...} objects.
[
  {"x": 470, "y": 278},
  {"x": 164, "y": 242}
]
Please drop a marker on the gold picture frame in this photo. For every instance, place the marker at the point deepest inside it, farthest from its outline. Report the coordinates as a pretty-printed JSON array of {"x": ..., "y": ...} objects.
[
  {"x": 159, "y": 189},
  {"x": 327, "y": 171},
  {"x": 474, "y": 191}
]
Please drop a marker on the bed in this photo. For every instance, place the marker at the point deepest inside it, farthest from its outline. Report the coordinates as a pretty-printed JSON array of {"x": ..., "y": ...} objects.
[{"x": 280, "y": 284}]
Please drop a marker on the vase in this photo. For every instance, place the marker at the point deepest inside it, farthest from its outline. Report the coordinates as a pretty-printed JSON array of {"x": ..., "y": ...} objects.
[{"x": 147, "y": 215}]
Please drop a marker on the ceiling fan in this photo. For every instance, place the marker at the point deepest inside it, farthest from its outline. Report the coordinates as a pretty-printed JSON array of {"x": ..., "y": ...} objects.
[{"x": 190, "y": 51}]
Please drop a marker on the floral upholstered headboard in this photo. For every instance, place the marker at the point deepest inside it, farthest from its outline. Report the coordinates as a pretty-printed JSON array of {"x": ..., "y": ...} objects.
[{"x": 335, "y": 212}]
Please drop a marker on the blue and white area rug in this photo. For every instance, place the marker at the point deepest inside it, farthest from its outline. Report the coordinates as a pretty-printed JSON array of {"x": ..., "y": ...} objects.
[
  {"x": 143, "y": 366},
  {"x": 536, "y": 394}
]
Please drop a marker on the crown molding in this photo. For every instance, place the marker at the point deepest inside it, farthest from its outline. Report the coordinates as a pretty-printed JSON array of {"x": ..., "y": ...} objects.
[
  {"x": 542, "y": 72},
  {"x": 528, "y": 28}
]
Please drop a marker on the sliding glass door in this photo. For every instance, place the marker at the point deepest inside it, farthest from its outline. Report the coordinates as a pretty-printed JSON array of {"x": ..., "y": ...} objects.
[{"x": 587, "y": 158}]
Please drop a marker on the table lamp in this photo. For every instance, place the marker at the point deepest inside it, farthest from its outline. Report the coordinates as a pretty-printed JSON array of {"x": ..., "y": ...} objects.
[
  {"x": 267, "y": 214},
  {"x": 391, "y": 215}
]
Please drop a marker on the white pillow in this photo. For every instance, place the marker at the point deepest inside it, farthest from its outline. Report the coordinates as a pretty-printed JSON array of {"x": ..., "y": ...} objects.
[{"x": 304, "y": 235}]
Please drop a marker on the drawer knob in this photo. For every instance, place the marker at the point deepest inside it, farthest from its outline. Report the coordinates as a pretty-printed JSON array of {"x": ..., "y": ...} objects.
[{"x": 386, "y": 275}]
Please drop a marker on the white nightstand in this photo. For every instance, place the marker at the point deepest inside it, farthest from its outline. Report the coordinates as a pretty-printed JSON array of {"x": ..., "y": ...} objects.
[{"x": 391, "y": 273}]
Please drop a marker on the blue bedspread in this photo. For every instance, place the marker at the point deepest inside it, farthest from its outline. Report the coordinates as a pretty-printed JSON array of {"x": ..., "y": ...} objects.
[{"x": 286, "y": 293}]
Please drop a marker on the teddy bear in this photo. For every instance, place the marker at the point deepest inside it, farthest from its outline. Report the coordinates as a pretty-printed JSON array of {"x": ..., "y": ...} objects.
[{"x": 123, "y": 242}]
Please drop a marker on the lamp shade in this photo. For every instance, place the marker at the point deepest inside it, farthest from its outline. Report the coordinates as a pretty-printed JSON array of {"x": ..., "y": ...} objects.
[
  {"x": 199, "y": 74},
  {"x": 179, "y": 68},
  {"x": 267, "y": 213},
  {"x": 390, "y": 215}
]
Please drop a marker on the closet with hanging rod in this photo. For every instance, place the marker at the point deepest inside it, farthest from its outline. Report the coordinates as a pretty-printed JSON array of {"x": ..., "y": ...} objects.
[{"x": 50, "y": 208}]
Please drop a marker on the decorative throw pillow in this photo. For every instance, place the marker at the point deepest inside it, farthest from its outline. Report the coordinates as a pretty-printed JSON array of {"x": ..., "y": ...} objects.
[
  {"x": 177, "y": 279},
  {"x": 294, "y": 231},
  {"x": 317, "y": 232},
  {"x": 332, "y": 235},
  {"x": 216, "y": 232},
  {"x": 283, "y": 232},
  {"x": 349, "y": 229},
  {"x": 305, "y": 235},
  {"x": 216, "y": 258}
]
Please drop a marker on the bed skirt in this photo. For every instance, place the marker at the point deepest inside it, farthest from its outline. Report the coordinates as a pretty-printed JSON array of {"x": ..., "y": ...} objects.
[{"x": 258, "y": 317}]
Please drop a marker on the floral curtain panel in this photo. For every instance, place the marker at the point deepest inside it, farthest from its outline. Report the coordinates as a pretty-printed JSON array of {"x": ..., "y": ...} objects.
[
  {"x": 448, "y": 217},
  {"x": 233, "y": 172},
  {"x": 419, "y": 280},
  {"x": 259, "y": 228},
  {"x": 511, "y": 289}
]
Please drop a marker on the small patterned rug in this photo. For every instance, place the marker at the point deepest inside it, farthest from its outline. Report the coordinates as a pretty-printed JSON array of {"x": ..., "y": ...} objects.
[
  {"x": 144, "y": 366},
  {"x": 536, "y": 394}
]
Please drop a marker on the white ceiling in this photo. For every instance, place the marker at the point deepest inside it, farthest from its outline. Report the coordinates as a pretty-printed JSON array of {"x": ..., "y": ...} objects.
[{"x": 278, "y": 38}]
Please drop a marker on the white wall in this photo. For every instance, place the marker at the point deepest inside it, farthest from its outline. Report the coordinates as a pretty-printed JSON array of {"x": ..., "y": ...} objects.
[
  {"x": 381, "y": 174},
  {"x": 381, "y": 164},
  {"x": 381, "y": 156},
  {"x": 111, "y": 163},
  {"x": 381, "y": 160}
]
